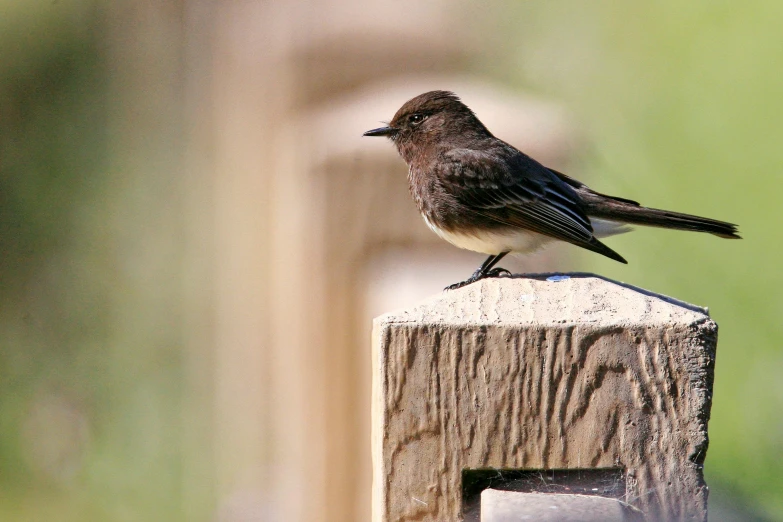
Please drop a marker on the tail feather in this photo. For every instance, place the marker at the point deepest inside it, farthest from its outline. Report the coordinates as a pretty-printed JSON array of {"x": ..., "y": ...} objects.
[
  {"x": 630, "y": 212},
  {"x": 625, "y": 212}
]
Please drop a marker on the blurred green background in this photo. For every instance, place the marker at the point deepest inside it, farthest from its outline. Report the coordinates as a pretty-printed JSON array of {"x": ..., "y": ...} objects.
[{"x": 681, "y": 105}]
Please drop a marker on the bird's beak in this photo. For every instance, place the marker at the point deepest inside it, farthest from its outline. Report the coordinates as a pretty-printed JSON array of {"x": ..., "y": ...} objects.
[{"x": 381, "y": 131}]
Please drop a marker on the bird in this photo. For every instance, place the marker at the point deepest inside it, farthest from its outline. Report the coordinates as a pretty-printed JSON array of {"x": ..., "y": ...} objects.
[{"x": 482, "y": 194}]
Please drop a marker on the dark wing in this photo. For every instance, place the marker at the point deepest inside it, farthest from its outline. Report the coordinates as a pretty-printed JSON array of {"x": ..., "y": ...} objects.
[
  {"x": 508, "y": 188},
  {"x": 586, "y": 191}
]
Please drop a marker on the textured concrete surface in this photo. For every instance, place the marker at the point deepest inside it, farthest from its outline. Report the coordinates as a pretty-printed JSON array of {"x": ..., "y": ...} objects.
[
  {"x": 512, "y": 506},
  {"x": 526, "y": 373}
]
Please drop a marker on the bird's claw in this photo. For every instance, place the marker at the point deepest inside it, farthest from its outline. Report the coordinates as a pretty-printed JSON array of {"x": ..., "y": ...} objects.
[
  {"x": 466, "y": 282},
  {"x": 498, "y": 272},
  {"x": 495, "y": 272}
]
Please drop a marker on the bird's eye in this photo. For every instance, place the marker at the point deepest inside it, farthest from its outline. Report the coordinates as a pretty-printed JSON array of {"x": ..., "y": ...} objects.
[{"x": 415, "y": 119}]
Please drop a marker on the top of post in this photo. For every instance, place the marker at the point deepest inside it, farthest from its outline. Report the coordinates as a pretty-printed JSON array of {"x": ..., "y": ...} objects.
[{"x": 548, "y": 299}]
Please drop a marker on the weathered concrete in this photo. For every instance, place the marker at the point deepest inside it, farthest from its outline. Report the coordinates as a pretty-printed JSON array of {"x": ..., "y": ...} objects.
[
  {"x": 512, "y": 506},
  {"x": 534, "y": 374}
]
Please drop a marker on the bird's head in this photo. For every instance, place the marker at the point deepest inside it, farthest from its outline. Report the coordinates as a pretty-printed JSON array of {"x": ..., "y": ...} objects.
[{"x": 429, "y": 122}]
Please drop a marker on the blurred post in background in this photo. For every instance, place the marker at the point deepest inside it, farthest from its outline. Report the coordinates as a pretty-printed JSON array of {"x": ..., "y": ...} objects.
[
  {"x": 194, "y": 235},
  {"x": 332, "y": 206}
]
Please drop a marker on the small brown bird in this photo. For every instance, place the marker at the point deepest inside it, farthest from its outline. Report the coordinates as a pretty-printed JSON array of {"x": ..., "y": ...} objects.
[{"x": 479, "y": 193}]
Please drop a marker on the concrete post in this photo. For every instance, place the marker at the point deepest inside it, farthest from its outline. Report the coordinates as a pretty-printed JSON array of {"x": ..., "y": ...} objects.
[{"x": 570, "y": 378}]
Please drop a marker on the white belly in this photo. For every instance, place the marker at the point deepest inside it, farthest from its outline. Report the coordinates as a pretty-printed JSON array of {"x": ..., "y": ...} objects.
[{"x": 518, "y": 241}]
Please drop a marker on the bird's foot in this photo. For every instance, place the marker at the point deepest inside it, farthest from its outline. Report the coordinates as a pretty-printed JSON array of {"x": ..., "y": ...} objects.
[
  {"x": 478, "y": 275},
  {"x": 466, "y": 282},
  {"x": 498, "y": 272}
]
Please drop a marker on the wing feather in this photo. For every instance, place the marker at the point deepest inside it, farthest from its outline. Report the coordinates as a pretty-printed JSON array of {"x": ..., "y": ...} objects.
[{"x": 514, "y": 190}]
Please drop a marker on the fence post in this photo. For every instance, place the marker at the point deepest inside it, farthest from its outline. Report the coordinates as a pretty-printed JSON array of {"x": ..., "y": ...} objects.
[{"x": 566, "y": 384}]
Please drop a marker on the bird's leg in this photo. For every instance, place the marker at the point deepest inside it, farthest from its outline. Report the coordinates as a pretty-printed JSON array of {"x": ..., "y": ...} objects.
[
  {"x": 485, "y": 267},
  {"x": 489, "y": 271},
  {"x": 485, "y": 270}
]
